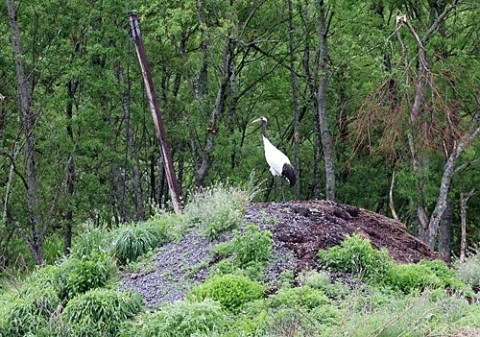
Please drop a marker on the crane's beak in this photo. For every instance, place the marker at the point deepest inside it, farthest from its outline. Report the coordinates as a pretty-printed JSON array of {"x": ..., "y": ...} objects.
[{"x": 256, "y": 120}]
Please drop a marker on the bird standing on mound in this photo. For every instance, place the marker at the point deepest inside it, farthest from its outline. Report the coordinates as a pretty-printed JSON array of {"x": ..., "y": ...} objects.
[{"x": 278, "y": 162}]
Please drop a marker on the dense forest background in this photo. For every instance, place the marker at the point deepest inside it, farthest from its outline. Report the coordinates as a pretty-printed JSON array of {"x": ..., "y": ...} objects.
[{"x": 377, "y": 104}]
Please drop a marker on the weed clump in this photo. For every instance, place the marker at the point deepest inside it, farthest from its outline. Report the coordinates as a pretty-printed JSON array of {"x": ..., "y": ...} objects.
[
  {"x": 231, "y": 291},
  {"x": 100, "y": 312},
  {"x": 132, "y": 241},
  {"x": 356, "y": 255},
  {"x": 469, "y": 270},
  {"x": 179, "y": 319},
  {"x": 246, "y": 254},
  {"x": 216, "y": 209}
]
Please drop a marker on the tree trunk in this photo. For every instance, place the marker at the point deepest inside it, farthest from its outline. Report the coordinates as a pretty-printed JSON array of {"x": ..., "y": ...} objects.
[
  {"x": 202, "y": 170},
  {"x": 445, "y": 232},
  {"x": 427, "y": 229},
  {"x": 296, "y": 109},
  {"x": 322, "y": 120},
  {"x": 70, "y": 168},
  {"x": 463, "y": 217},
  {"x": 36, "y": 236},
  {"x": 131, "y": 148},
  {"x": 448, "y": 172}
]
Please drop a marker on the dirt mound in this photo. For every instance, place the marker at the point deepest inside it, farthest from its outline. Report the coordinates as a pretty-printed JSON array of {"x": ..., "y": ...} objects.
[
  {"x": 299, "y": 230},
  {"x": 306, "y": 227}
]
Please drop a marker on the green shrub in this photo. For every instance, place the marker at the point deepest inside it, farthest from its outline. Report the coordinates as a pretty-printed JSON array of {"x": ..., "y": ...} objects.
[
  {"x": 469, "y": 270},
  {"x": 80, "y": 275},
  {"x": 44, "y": 277},
  {"x": 304, "y": 297},
  {"x": 448, "y": 277},
  {"x": 53, "y": 248},
  {"x": 405, "y": 315},
  {"x": 179, "y": 319},
  {"x": 132, "y": 241},
  {"x": 356, "y": 255},
  {"x": 222, "y": 250},
  {"x": 254, "y": 270},
  {"x": 411, "y": 277},
  {"x": 28, "y": 312},
  {"x": 431, "y": 274},
  {"x": 231, "y": 291},
  {"x": 321, "y": 281},
  {"x": 169, "y": 225},
  {"x": 100, "y": 312},
  {"x": 248, "y": 251},
  {"x": 92, "y": 240},
  {"x": 252, "y": 246},
  {"x": 216, "y": 209}
]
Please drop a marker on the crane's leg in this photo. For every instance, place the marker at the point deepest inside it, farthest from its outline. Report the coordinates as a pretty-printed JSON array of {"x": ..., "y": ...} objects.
[{"x": 283, "y": 193}]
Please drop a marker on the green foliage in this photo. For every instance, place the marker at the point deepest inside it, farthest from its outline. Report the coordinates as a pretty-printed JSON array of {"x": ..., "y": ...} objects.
[
  {"x": 132, "y": 241},
  {"x": 231, "y": 291},
  {"x": 248, "y": 251},
  {"x": 469, "y": 270},
  {"x": 53, "y": 248},
  {"x": 80, "y": 275},
  {"x": 252, "y": 246},
  {"x": 100, "y": 312},
  {"x": 304, "y": 297},
  {"x": 411, "y": 277},
  {"x": 179, "y": 319},
  {"x": 448, "y": 276},
  {"x": 28, "y": 311},
  {"x": 356, "y": 255},
  {"x": 223, "y": 249},
  {"x": 254, "y": 270},
  {"x": 321, "y": 281},
  {"x": 216, "y": 209},
  {"x": 374, "y": 313},
  {"x": 93, "y": 240},
  {"x": 417, "y": 277},
  {"x": 168, "y": 225}
]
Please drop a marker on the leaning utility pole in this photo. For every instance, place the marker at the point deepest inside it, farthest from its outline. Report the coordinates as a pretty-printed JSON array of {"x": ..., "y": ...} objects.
[{"x": 157, "y": 119}]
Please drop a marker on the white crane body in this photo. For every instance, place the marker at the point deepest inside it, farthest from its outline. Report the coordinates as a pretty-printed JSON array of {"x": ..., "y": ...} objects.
[
  {"x": 279, "y": 163},
  {"x": 275, "y": 158}
]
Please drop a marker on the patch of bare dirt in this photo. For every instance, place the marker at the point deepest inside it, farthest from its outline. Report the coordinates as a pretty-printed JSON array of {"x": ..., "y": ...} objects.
[
  {"x": 307, "y": 226},
  {"x": 300, "y": 230}
]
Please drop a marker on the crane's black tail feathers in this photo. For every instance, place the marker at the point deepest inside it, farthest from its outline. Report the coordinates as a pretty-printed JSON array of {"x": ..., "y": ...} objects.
[{"x": 288, "y": 172}]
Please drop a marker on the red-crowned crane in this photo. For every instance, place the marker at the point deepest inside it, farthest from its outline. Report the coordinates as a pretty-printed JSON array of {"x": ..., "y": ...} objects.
[{"x": 278, "y": 162}]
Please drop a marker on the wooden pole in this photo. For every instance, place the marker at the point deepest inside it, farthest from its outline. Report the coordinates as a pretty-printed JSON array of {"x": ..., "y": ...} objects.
[{"x": 157, "y": 119}]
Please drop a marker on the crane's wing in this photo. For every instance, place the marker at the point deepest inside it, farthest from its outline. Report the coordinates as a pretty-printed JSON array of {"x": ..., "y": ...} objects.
[{"x": 275, "y": 158}]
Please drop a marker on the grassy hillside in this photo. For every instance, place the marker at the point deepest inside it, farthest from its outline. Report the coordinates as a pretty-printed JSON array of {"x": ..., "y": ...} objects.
[{"x": 356, "y": 290}]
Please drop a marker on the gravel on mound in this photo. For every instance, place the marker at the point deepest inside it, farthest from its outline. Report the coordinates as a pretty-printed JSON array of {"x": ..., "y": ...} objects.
[{"x": 300, "y": 230}]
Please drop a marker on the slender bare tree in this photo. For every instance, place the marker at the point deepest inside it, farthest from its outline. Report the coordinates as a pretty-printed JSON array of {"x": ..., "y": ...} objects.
[
  {"x": 322, "y": 119},
  {"x": 35, "y": 235}
]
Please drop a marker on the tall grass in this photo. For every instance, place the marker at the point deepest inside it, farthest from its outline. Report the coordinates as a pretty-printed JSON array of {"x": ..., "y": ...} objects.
[
  {"x": 469, "y": 270},
  {"x": 132, "y": 241},
  {"x": 216, "y": 209}
]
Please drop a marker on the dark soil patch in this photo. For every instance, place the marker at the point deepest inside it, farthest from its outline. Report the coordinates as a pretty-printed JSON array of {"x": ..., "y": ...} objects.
[
  {"x": 300, "y": 230},
  {"x": 307, "y": 227}
]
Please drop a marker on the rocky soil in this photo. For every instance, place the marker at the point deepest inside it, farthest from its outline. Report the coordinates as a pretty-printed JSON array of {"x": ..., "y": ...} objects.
[{"x": 299, "y": 230}]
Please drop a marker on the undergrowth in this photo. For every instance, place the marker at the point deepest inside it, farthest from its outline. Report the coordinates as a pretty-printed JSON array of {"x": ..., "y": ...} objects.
[
  {"x": 77, "y": 296},
  {"x": 216, "y": 209}
]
